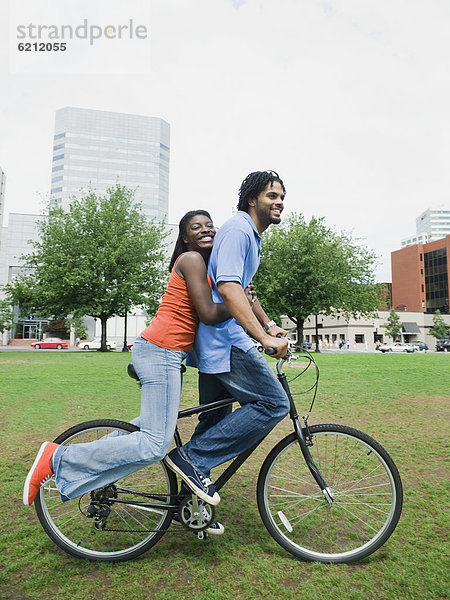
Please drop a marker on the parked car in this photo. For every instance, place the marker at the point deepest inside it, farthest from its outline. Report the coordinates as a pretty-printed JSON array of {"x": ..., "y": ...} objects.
[
  {"x": 51, "y": 342},
  {"x": 443, "y": 345},
  {"x": 419, "y": 346},
  {"x": 95, "y": 344},
  {"x": 395, "y": 347}
]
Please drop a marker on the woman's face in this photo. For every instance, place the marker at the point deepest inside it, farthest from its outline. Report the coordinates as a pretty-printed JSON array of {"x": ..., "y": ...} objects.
[{"x": 200, "y": 233}]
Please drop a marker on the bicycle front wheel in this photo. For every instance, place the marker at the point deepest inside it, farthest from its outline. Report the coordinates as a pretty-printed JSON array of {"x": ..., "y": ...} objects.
[
  {"x": 129, "y": 529},
  {"x": 365, "y": 485}
]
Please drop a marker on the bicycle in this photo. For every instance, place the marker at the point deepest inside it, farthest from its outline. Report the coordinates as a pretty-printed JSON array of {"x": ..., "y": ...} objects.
[{"x": 326, "y": 493}]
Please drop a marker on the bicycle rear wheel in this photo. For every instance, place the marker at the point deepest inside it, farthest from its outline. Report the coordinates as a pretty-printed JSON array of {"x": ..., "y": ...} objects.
[
  {"x": 365, "y": 484},
  {"x": 129, "y": 530}
]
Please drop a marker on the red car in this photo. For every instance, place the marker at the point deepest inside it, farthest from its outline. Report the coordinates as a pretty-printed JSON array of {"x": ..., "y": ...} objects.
[{"x": 50, "y": 343}]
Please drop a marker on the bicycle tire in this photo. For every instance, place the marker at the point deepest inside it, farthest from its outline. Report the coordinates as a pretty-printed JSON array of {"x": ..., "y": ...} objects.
[
  {"x": 364, "y": 481},
  {"x": 68, "y": 526}
]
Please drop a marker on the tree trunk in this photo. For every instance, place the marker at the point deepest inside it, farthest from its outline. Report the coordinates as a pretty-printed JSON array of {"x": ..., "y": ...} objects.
[
  {"x": 300, "y": 323},
  {"x": 103, "y": 319}
]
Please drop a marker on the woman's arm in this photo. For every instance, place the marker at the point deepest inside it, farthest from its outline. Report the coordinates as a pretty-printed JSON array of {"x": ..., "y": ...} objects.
[{"x": 192, "y": 268}]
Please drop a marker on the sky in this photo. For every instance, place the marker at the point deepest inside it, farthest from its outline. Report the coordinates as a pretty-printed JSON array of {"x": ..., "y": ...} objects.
[{"x": 348, "y": 100}]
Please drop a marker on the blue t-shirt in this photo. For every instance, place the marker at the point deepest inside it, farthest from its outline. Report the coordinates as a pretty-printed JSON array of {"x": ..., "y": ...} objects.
[{"x": 234, "y": 257}]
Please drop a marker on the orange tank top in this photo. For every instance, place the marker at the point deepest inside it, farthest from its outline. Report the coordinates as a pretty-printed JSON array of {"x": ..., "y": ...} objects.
[{"x": 175, "y": 323}]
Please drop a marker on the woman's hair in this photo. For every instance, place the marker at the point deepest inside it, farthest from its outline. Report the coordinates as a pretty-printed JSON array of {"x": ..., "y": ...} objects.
[
  {"x": 180, "y": 244},
  {"x": 254, "y": 184}
]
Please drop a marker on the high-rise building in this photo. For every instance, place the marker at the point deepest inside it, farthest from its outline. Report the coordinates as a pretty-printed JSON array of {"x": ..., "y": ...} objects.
[
  {"x": 2, "y": 197},
  {"x": 433, "y": 224},
  {"x": 97, "y": 149}
]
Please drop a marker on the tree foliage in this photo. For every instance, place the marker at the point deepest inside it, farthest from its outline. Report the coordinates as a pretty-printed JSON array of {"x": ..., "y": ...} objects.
[
  {"x": 307, "y": 269},
  {"x": 100, "y": 258},
  {"x": 439, "y": 329},
  {"x": 393, "y": 325},
  {"x": 6, "y": 316}
]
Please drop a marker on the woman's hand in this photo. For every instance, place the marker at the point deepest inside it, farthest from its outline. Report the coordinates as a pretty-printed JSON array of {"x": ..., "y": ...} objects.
[{"x": 250, "y": 294}]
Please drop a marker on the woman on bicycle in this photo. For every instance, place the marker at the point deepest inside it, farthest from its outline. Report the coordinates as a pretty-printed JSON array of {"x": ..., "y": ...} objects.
[{"x": 157, "y": 356}]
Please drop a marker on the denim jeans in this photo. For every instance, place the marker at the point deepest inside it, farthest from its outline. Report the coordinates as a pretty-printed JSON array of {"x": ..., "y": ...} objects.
[
  {"x": 80, "y": 468},
  {"x": 221, "y": 434}
]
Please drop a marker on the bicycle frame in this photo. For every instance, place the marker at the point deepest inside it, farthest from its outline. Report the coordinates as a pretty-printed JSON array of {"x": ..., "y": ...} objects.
[{"x": 241, "y": 458}]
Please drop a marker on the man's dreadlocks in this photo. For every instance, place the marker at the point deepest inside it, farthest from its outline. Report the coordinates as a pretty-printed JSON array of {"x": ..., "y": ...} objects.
[{"x": 254, "y": 184}]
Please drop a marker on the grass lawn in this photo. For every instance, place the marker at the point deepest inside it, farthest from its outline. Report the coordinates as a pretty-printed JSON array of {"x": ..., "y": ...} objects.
[{"x": 401, "y": 400}]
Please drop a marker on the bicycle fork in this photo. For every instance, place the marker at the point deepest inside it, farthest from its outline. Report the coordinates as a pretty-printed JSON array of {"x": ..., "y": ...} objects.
[{"x": 326, "y": 490}]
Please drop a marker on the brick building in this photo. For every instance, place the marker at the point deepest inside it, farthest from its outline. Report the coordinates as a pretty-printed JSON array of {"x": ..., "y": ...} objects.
[{"x": 420, "y": 277}]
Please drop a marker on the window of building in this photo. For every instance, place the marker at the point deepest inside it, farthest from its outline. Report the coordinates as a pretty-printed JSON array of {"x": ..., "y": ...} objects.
[
  {"x": 436, "y": 280},
  {"x": 359, "y": 338},
  {"x": 59, "y": 168},
  {"x": 59, "y": 157},
  {"x": 56, "y": 190},
  {"x": 59, "y": 136}
]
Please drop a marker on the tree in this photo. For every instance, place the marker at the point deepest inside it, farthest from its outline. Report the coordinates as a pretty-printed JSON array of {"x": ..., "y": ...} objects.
[
  {"x": 79, "y": 327},
  {"x": 99, "y": 258},
  {"x": 307, "y": 269},
  {"x": 439, "y": 329},
  {"x": 6, "y": 316},
  {"x": 393, "y": 325}
]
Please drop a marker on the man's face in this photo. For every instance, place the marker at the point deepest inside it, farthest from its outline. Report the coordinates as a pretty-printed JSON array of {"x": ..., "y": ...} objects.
[{"x": 269, "y": 204}]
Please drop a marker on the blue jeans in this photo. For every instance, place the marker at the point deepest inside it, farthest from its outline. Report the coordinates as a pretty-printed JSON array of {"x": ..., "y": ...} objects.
[
  {"x": 221, "y": 434},
  {"x": 81, "y": 468}
]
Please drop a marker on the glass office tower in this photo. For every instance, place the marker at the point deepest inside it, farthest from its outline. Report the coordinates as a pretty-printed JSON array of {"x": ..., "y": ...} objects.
[{"x": 98, "y": 149}]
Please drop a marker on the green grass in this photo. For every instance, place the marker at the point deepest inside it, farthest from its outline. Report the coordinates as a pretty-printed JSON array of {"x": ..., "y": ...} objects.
[{"x": 400, "y": 400}]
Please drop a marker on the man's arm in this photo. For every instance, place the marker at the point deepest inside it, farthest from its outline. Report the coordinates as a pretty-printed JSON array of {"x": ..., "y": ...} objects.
[{"x": 236, "y": 302}]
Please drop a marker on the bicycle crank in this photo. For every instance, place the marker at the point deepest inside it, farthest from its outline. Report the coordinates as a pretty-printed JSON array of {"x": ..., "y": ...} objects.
[{"x": 195, "y": 515}]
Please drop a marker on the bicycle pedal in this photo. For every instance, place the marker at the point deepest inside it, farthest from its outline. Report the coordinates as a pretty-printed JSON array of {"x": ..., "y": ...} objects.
[{"x": 202, "y": 535}]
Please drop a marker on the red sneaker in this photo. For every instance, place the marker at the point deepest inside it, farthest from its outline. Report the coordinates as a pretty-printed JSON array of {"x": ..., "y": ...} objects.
[{"x": 39, "y": 473}]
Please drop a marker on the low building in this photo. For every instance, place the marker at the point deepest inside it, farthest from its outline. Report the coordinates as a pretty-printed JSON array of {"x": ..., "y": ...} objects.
[
  {"x": 365, "y": 333},
  {"x": 16, "y": 240}
]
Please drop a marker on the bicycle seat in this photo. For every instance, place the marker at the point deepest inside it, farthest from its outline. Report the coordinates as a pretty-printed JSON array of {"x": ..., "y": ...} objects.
[{"x": 132, "y": 373}]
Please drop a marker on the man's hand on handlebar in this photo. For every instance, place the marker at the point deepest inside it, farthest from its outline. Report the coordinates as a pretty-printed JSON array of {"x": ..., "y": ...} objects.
[
  {"x": 276, "y": 331},
  {"x": 279, "y": 344}
]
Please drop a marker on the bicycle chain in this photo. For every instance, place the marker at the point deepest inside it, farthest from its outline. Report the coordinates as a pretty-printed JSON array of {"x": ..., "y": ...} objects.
[{"x": 181, "y": 530}]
